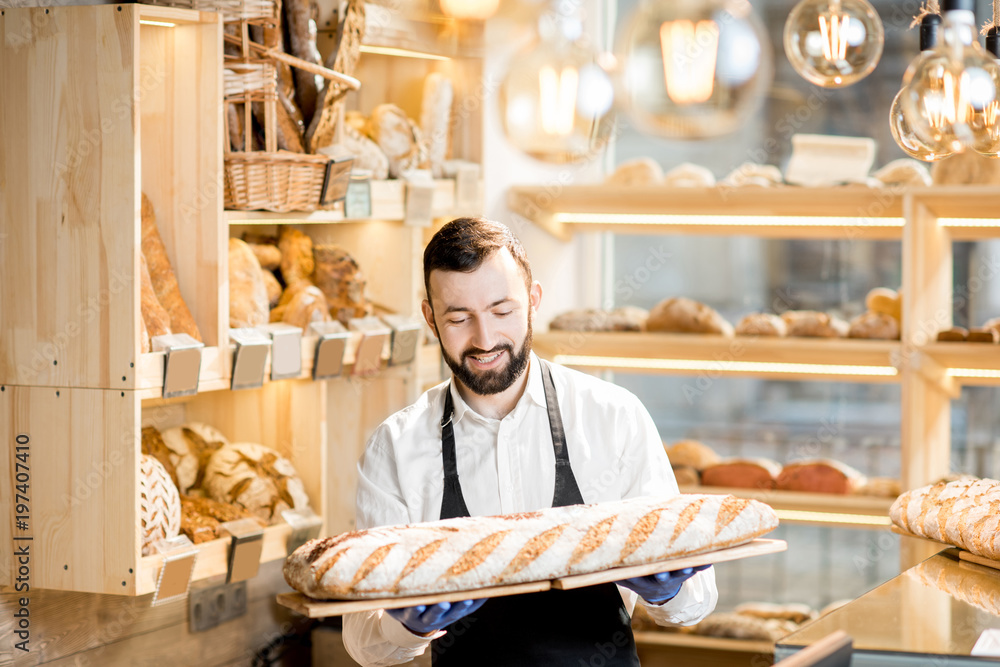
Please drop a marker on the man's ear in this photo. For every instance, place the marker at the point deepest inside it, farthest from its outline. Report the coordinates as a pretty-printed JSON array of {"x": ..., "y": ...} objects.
[
  {"x": 425, "y": 308},
  {"x": 535, "y": 296}
]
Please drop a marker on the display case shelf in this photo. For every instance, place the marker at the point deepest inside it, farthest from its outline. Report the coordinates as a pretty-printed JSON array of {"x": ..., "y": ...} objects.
[
  {"x": 975, "y": 364},
  {"x": 686, "y": 640},
  {"x": 692, "y": 354},
  {"x": 847, "y": 511}
]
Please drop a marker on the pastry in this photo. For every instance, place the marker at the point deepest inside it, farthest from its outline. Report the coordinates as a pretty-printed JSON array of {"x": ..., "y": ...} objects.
[
  {"x": 636, "y": 172},
  {"x": 691, "y": 453},
  {"x": 814, "y": 324},
  {"x": 965, "y": 514},
  {"x": 819, "y": 476},
  {"x": 159, "y": 504},
  {"x": 467, "y": 553},
  {"x": 758, "y": 473},
  {"x": 248, "y": 303},
  {"x": 297, "y": 261},
  {"x": 255, "y": 478},
  {"x": 761, "y": 324},
  {"x": 155, "y": 317},
  {"x": 339, "y": 278},
  {"x": 874, "y": 326},
  {"x": 683, "y": 315},
  {"x": 162, "y": 275}
]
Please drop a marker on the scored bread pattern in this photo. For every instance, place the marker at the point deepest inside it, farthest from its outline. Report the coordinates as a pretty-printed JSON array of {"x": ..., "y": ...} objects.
[
  {"x": 159, "y": 503},
  {"x": 478, "y": 552},
  {"x": 965, "y": 513},
  {"x": 976, "y": 586}
]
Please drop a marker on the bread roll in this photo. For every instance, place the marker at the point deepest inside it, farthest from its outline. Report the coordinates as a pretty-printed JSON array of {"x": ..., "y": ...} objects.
[
  {"x": 885, "y": 301},
  {"x": 255, "y": 478},
  {"x": 155, "y": 317},
  {"x": 751, "y": 173},
  {"x": 398, "y": 137},
  {"x": 435, "y": 120},
  {"x": 468, "y": 553},
  {"x": 683, "y": 315},
  {"x": 819, "y": 476},
  {"x": 761, "y": 324},
  {"x": 368, "y": 156},
  {"x": 874, "y": 326},
  {"x": 636, "y": 172},
  {"x": 159, "y": 504},
  {"x": 297, "y": 261},
  {"x": 796, "y": 613},
  {"x": 741, "y": 626},
  {"x": 692, "y": 453},
  {"x": 248, "y": 304},
  {"x": 904, "y": 171},
  {"x": 272, "y": 286},
  {"x": 962, "y": 513},
  {"x": 162, "y": 275},
  {"x": 202, "y": 518},
  {"x": 626, "y": 318},
  {"x": 153, "y": 445},
  {"x": 307, "y": 306},
  {"x": 813, "y": 324},
  {"x": 983, "y": 335},
  {"x": 756, "y": 473},
  {"x": 268, "y": 255},
  {"x": 954, "y": 334},
  {"x": 689, "y": 175},
  {"x": 339, "y": 278},
  {"x": 191, "y": 446}
]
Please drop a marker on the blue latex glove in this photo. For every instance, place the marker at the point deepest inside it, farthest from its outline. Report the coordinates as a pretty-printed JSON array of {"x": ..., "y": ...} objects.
[
  {"x": 428, "y": 619},
  {"x": 663, "y": 586}
]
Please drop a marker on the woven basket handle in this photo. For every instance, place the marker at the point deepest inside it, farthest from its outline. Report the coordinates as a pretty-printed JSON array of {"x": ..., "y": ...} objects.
[{"x": 313, "y": 68}]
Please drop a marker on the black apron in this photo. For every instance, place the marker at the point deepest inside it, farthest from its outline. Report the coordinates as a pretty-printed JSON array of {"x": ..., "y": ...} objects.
[{"x": 582, "y": 627}]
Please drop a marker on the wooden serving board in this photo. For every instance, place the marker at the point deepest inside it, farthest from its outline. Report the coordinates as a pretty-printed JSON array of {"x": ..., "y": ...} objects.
[
  {"x": 758, "y": 547},
  {"x": 322, "y": 608},
  {"x": 978, "y": 560}
]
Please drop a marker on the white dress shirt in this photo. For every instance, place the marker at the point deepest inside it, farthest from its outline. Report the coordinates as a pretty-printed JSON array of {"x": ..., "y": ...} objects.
[{"x": 506, "y": 466}]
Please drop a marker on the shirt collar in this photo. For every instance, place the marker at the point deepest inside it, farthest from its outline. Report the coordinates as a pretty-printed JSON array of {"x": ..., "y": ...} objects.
[{"x": 534, "y": 392}]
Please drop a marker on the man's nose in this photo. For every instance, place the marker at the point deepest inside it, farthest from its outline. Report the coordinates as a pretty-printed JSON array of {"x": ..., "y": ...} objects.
[{"x": 484, "y": 337}]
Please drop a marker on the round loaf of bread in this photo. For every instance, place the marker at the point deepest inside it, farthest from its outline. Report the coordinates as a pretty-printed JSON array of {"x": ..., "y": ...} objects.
[
  {"x": 761, "y": 324},
  {"x": 339, "y": 277},
  {"x": 255, "y": 478},
  {"x": 689, "y": 175},
  {"x": 819, "y": 476},
  {"x": 683, "y": 315},
  {"x": 692, "y": 453},
  {"x": 886, "y": 301},
  {"x": 874, "y": 326},
  {"x": 904, "y": 171},
  {"x": 159, "y": 503},
  {"x": 756, "y": 473},
  {"x": 399, "y": 137},
  {"x": 814, "y": 324},
  {"x": 191, "y": 446},
  {"x": 638, "y": 171},
  {"x": 626, "y": 318}
]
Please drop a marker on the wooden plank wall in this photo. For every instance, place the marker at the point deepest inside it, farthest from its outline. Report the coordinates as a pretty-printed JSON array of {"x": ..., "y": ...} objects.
[{"x": 82, "y": 629}]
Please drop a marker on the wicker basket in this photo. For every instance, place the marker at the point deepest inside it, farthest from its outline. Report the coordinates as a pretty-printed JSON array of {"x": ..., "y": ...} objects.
[{"x": 281, "y": 181}]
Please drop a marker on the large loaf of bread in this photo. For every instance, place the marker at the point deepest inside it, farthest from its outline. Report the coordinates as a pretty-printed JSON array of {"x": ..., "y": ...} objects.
[
  {"x": 977, "y": 587},
  {"x": 479, "y": 552},
  {"x": 965, "y": 513}
]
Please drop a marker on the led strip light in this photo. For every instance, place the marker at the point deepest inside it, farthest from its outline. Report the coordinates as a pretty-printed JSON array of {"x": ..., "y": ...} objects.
[
  {"x": 402, "y": 53},
  {"x": 755, "y": 220},
  {"x": 725, "y": 366},
  {"x": 832, "y": 517},
  {"x": 973, "y": 373},
  {"x": 162, "y": 24}
]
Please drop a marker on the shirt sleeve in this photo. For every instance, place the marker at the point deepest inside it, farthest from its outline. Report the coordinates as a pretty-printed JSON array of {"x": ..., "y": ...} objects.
[
  {"x": 375, "y": 638},
  {"x": 645, "y": 471}
]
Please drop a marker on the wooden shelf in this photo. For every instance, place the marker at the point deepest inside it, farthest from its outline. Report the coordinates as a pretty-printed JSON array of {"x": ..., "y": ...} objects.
[
  {"x": 814, "y": 508},
  {"x": 691, "y": 354},
  {"x": 687, "y": 640},
  {"x": 213, "y": 558},
  {"x": 967, "y": 363},
  {"x": 388, "y": 203}
]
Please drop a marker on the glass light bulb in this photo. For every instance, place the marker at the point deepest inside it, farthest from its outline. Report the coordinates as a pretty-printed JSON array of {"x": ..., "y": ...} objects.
[
  {"x": 692, "y": 69},
  {"x": 951, "y": 91},
  {"x": 907, "y": 139},
  {"x": 556, "y": 100},
  {"x": 833, "y": 43}
]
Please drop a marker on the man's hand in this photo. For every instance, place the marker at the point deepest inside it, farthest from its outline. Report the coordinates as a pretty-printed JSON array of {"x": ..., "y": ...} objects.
[
  {"x": 658, "y": 588},
  {"x": 428, "y": 619}
]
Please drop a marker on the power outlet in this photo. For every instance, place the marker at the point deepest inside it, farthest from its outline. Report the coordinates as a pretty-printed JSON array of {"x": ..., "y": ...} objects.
[{"x": 210, "y": 605}]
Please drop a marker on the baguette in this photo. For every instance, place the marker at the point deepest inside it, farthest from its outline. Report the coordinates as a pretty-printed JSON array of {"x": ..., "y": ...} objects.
[
  {"x": 155, "y": 317},
  {"x": 476, "y": 552},
  {"x": 965, "y": 514},
  {"x": 162, "y": 275}
]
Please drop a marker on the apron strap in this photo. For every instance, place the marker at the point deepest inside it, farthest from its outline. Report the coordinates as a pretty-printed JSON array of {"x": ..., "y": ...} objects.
[
  {"x": 567, "y": 491},
  {"x": 452, "y": 501}
]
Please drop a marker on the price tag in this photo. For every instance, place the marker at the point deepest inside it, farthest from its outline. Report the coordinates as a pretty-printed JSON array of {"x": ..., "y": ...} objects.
[
  {"x": 406, "y": 335},
  {"x": 305, "y": 524},
  {"x": 182, "y": 364},
  {"x": 988, "y": 644},
  {"x": 286, "y": 349},
  {"x": 419, "y": 203},
  {"x": 245, "y": 548},
  {"x": 328, "y": 360},
  {"x": 179, "y": 556},
  {"x": 249, "y": 358},
  {"x": 358, "y": 200}
]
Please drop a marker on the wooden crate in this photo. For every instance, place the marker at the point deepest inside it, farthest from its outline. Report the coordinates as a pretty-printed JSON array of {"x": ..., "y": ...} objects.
[{"x": 100, "y": 105}]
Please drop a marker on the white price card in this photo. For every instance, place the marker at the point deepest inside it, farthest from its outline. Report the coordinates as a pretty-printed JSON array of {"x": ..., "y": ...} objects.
[{"x": 988, "y": 644}]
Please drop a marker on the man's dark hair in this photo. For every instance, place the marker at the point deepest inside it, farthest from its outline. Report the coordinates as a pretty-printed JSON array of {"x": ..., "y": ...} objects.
[{"x": 464, "y": 243}]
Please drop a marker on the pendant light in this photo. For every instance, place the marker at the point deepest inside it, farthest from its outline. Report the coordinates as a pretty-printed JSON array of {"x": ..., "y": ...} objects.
[
  {"x": 556, "y": 100},
  {"x": 692, "y": 69},
  {"x": 904, "y": 135},
  {"x": 833, "y": 43},
  {"x": 984, "y": 123},
  {"x": 944, "y": 88}
]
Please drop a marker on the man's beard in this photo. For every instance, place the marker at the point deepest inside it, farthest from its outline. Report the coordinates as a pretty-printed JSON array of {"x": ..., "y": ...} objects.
[{"x": 495, "y": 380}]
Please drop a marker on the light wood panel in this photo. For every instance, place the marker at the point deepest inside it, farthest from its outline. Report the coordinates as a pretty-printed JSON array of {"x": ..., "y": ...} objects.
[
  {"x": 68, "y": 161},
  {"x": 83, "y": 495},
  {"x": 820, "y": 359}
]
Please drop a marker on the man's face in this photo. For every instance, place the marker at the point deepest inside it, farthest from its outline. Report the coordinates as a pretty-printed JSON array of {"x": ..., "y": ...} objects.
[{"x": 483, "y": 322}]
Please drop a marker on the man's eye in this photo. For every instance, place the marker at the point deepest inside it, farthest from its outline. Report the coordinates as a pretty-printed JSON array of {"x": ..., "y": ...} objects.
[
  {"x": 461, "y": 321},
  {"x": 503, "y": 314}
]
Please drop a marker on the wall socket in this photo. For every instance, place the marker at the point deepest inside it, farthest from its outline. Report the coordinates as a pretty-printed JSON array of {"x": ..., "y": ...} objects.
[{"x": 210, "y": 605}]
